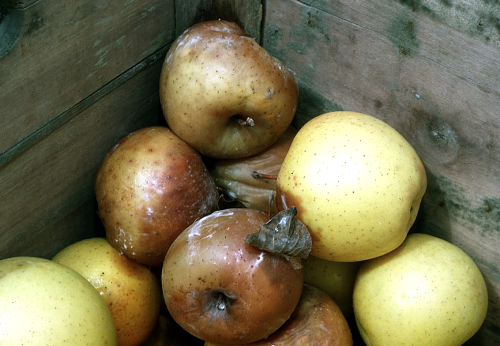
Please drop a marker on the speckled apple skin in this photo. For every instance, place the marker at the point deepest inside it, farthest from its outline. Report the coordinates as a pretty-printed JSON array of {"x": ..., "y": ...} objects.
[
  {"x": 149, "y": 188},
  {"x": 214, "y": 74},
  {"x": 130, "y": 289},
  {"x": 426, "y": 292},
  {"x": 316, "y": 321},
  {"x": 210, "y": 258},
  {"x": 45, "y": 303},
  {"x": 357, "y": 185}
]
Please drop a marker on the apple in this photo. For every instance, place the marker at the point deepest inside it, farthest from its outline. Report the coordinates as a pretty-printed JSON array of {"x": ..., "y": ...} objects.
[
  {"x": 357, "y": 185},
  {"x": 236, "y": 177},
  {"x": 45, "y": 303},
  {"x": 223, "y": 290},
  {"x": 316, "y": 321},
  {"x": 149, "y": 188},
  {"x": 223, "y": 94},
  {"x": 168, "y": 333},
  {"x": 130, "y": 289},
  {"x": 426, "y": 292},
  {"x": 334, "y": 278}
]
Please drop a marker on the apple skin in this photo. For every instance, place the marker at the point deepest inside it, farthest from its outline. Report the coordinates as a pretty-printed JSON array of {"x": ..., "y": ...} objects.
[
  {"x": 426, "y": 292},
  {"x": 357, "y": 185},
  {"x": 235, "y": 175},
  {"x": 149, "y": 188},
  {"x": 130, "y": 289},
  {"x": 214, "y": 76},
  {"x": 334, "y": 278},
  {"x": 316, "y": 321},
  {"x": 45, "y": 303},
  {"x": 210, "y": 263}
]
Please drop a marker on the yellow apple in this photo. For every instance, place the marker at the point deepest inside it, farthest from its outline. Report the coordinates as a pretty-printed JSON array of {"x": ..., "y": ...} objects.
[
  {"x": 357, "y": 185},
  {"x": 426, "y": 292},
  {"x": 45, "y": 303},
  {"x": 334, "y": 278},
  {"x": 131, "y": 290}
]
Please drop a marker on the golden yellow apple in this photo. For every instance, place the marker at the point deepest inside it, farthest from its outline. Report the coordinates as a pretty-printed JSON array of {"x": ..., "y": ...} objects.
[
  {"x": 356, "y": 182},
  {"x": 45, "y": 303},
  {"x": 426, "y": 292},
  {"x": 131, "y": 290},
  {"x": 334, "y": 278}
]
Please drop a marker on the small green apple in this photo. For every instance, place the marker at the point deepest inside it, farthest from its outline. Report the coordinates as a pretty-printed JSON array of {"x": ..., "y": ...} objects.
[
  {"x": 426, "y": 292},
  {"x": 334, "y": 278},
  {"x": 357, "y": 185},
  {"x": 46, "y": 303},
  {"x": 130, "y": 289}
]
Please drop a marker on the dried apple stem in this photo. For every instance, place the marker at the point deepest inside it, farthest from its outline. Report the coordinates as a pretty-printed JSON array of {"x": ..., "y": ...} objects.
[{"x": 258, "y": 175}]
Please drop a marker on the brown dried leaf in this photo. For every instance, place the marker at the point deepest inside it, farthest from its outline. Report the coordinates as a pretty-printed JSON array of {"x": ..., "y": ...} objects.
[{"x": 284, "y": 235}]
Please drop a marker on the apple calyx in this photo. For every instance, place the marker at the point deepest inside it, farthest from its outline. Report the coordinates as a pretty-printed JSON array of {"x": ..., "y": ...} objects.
[
  {"x": 284, "y": 235},
  {"x": 246, "y": 122}
]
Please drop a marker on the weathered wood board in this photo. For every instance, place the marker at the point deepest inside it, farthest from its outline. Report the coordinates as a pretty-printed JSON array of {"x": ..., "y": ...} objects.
[
  {"x": 68, "y": 50},
  {"x": 47, "y": 192},
  {"x": 431, "y": 73}
]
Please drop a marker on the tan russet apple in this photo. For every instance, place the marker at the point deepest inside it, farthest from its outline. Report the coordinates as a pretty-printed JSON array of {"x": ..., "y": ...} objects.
[
  {"x": 130, "y": 289},
  {"x": 45, "y": 303},
  {"x": 426, "y": 292},
  {"x": 356, "y": 182},
  {"x": 334, "y": 278},
  {"x": 149, "y": 188},
  {"x": 235, "y": 177},
  {"x": 316, "y": 321},
  {"x": 224, "y": 94},
  {"x": 221, "y": 289}
]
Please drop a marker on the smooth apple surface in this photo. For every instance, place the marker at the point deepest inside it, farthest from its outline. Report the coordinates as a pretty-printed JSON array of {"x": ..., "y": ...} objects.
[
  {"x": 223, "y": 93},
  {"x": 130, "y": 289},
  {"x": 356, "y": 182},
  {"x": 223, "y": 290},
  {"x": 426, "y": 292},
  {"x": 235, "y": 175},
  {"x": 45, "y": 303},
  {"x": 149, "y": 188},
  {"x": 316, "y": 321}
]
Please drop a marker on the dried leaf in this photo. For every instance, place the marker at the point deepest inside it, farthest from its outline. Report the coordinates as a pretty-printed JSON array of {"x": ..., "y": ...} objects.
[{"x": 284, "y": 235}]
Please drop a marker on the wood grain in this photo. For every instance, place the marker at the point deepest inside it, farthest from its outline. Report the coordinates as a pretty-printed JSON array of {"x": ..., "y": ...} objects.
[
  {"x": 435, "y": 80},
  {"x": 246, "y": 13},
  {"x": 48, "y": 190},
  {"x": 68, "y": 50}
]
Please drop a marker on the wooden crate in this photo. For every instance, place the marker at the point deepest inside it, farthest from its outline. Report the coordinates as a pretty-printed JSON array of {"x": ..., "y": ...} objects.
[{"x": 77, "y": 76}]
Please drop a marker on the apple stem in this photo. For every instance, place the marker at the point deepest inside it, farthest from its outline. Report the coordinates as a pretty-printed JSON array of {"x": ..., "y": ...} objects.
[
  {"x": 247, "y": 122},
  {"x": 258, "y": 175}
]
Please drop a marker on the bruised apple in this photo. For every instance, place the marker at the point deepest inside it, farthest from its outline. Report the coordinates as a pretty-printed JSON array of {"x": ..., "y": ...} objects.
[
  {"x": 316, "y": 321},
  {"x": 130, "y": 289},
  {"x": 238, "y": 178},
  {"x": 223, "y": 93},
  {"x": 149, "y": 188},
  {"x": 223, "y": 290}
]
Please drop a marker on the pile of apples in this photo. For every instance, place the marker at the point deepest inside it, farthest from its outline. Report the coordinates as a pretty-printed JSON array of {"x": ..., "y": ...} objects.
[{"x": 234, "y": 228}]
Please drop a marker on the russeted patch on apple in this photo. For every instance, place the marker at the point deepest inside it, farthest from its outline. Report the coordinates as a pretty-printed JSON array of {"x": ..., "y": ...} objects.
[
  {"x": 221, "y": 289},
  {"x": 224, "y": 94}
]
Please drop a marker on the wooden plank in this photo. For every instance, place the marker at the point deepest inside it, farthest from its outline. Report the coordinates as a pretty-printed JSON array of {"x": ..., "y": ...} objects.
[
  {"x": 246, "y": 13},
  {"x": 48, "y": 192},
  {"x": 68, "y": 50},
  {"x": 436, "y": 81}
]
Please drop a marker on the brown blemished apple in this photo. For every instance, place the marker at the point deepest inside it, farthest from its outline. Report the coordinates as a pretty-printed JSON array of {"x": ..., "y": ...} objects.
[
  {"x": 130, "y": 289},
  {"x": 149, "y": 188},
  {"x": 316, "y": 321},
  {"x": 223, "y": 93},
  {"x": 221, "y": 289},
  {"x": 236, "y": 176}
]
